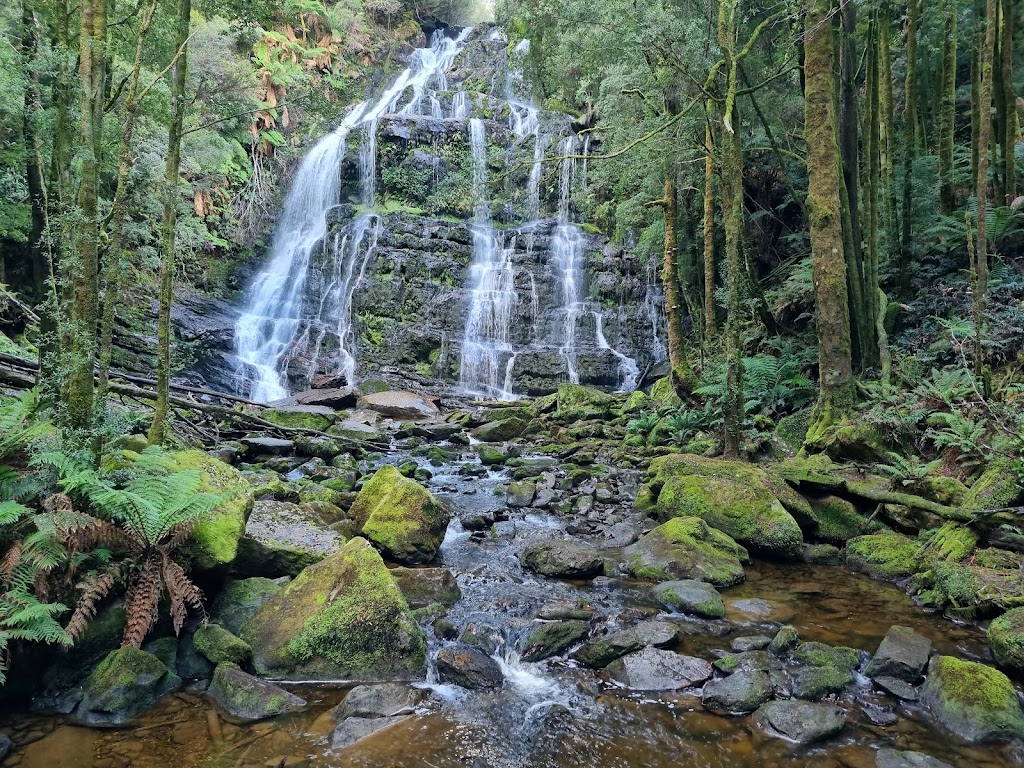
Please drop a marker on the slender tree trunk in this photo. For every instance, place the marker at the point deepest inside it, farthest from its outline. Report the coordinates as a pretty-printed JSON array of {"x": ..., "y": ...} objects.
[
  {"x": 84, "y": 269},
  {"x": 947, "y": 119},
  {"x": 114, "y": 265},
  {"x": 178, "y": 106},
  {"x": 710, "y": 321},
  {"x": 674, "y": 302},
  {"x": 886, "y": 127},
  {"x": 873, "y": 202},
  {"x": 1009, "y": 100},
  {"x": 836, "y": 391},
  {"x": 981, "y": 190},
  {"x": 909, "y": 140},
  {"x": 977, "y": 54},
  {"x": 35, "y": 182}
]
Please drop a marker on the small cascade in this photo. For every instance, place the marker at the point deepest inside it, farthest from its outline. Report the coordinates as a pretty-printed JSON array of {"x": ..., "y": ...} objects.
[
  {"x": 487, "y": 354},
  {"x": 276, "y": 317},
  {"x": 567, "y": 252},
  {"x": 629, "y": 371},
  {"x": 653, "y": 301}
]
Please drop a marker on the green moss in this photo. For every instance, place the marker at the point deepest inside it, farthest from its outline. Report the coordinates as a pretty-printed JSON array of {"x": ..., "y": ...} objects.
[
  {"x": 885, "y": 555},
  {"x": 637, "y": 401},
  {"x": 816, "y": 682},
  {"x": 240, "y": 599},
  {"x": 791, "y": 430},
  {"x": 998, "y": 487},
  {"x": 822, "y": 655},
  {"x": 1006, "y": 638},
  {"x": 973, "y": 592},
  {"x": 836, "y": 520},
  {"x": 297, "y": 418},
  {"x": 553, "y": 638},
  {"x": 576, "y": 402},
  {"x": 687, "y": 547},
  {"x": 219, "y": 645},
  {"x": 663, "y": 393},
  {"x": 973, "y": 693},
  {"x": 952, "y": 541}
]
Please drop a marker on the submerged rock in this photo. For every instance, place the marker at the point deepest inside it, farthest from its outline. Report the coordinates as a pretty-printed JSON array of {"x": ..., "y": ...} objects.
[
  {"x": 563, "y": 558},
  {"x": 689, "y": 596},
  {"x": 400, "y": 517},
  {"x": 651, "y": 669},
  {"x": 342, "y": 618},
  {"x": 800, "y": 721},
  {"x": 686, "y": 548},
  {"x": 972, "y": 700},
  {"x": 353, "y": 729},
  {"x": 468, "y": 666},
  {"x": 1006, "y": 639},
  {"x": 894, "y": 758},
  {"x": 902, "y": 654},
  {"x": 126, "y": 683},
  {"x": 249, "y": 698},
  {"x": 384, "y": 700}
]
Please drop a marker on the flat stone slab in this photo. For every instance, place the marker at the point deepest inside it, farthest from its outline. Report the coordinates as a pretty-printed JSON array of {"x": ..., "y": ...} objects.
[
  {"x": 655, "y": 670},
  {"x": 272, "y": 445},
  {"x": 800, "y": 721},
  {"x": 284, "y": 524},
  {"x": 335, "y": 397},
  {"x": 902, "y": 654},
  {"x": 400, "y": 405},
  {"x": 894, "y": 758},
  {"x": 901, "y": 689},
  {"x": 377, "y": 701},
  {"x": 604, "y": 650},
  {"x": 354, "y": 729},
  {"x": 758, "y": 609}
]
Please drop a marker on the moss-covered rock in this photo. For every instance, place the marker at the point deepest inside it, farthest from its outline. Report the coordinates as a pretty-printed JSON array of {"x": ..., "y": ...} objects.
[
  {"x": 246, "y": 698},
  {"x": 317, "y": 446},
  {"x": 552, "y": 638},
  {"x": 854, "y": 440},
  {"x": 888, "y": 556},
  {"x": 563, "y": 559},
  {"x": 576, "y": 403},
  {"x": 663, "y": 393},
  {"x": 972, "y": 700},
  {"x": 736, "y": 498},
  {"x": 127, "y": 682},
  {"x": 686, "y": 548},
  {"x": 999, "y": 486},
  {"x": 970, "y": 591},
  {"x": 491, "y": 456},
  {"x": 400, "y": 516},
  {"x": 507, "y": 428},
  {"x": 282, "y": 538},
  {"x": 240, "y": 599},
  {"x": 422, "y": 587},
  {"x": 791, "y": 430},
  {"x": 342, "y": 618},
  {"x": 219, "y": 645},
  {"x": 637, "y": 401},
  {"x": 214, "y": 541},
  {"x": 318, "y": 417},
  {"x": 952, "y": 542},
  {"x": 816, "y": 654},
  {"x": 837, "y": 520},
  {"x": 813, "y": 683},
  {"x": 689, "y": 596},
  {"x": 1006, "y": 639}
]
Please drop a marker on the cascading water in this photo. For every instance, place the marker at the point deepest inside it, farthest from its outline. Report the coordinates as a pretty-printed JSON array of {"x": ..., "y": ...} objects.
[
  {"x": 276, "y": 315},
  {"x": 487, "y": 355}
]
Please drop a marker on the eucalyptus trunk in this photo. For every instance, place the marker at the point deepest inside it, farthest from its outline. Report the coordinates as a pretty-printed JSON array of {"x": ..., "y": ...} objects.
[
  {"x": 1009, "y": 103},
  {"x": 947, "y": 121},
  {"x": 980, "y": 267},
  {"x": 835, "y": 362},
  {"x": 909, "y": 139},
  {"x": 710, "y": 322},
  {"x": 887, "y": 131},
  {"x": 170, "y": 218}
]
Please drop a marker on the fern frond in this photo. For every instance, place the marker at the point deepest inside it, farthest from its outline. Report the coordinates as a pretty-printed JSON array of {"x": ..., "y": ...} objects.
[
  {"x": 93, "y": 589},
  {"x": 181, "y": 591},
  {"x": 141, "y": 602}
]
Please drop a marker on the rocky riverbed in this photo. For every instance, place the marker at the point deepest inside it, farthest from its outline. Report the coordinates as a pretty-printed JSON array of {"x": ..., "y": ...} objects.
[{"x": 520, "y": 586}]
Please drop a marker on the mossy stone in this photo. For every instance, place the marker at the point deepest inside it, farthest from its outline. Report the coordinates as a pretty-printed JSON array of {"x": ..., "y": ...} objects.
[
  {"x": 314, "y": 417},
  {"x": 490, "y": 456},
  {"x": 552, "y": 638},
  {"x": 240, "y": 599},
  {"x": 576, "y": 403},
  {"x": 972, "y": 700},
  {"x": 342, "y": 618},
  {"x": 663, "y": 393},
  {"x": 687, "y": 548},
  {"x": 400, "y": 517},
  {"x": 214, "y": 542},
  {"x": 246, "y": 698},
  {"x": 999, "y": 486},
  {"x": 837, "y": 520},
  {"x": 889, "y": 556},
  {"x": 785, "y": 640},
  {"x": 816, "y": 654},
  {"x": 124, "y": 684},
  {"x": 689, "y": 596},
  {"x": 951, "y": 541},
  {"x": 219, "y": 645},
  {"x": 815, "y": 682},
  {"x": 1006, "y": 639},
  {"x": 508, "y": 428}
]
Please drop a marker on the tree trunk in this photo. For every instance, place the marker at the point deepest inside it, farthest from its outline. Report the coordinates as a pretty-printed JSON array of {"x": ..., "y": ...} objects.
[
  {"x": 83, "y": 269},
  {"x": 674, "y": 302},
  {"x": 1009, "y": 121},
  {"x": 909, "y": 140},
  {"x": 873, "y": 201},
  {"x": 977, "y": 54},
  {"x": 981, "y": 190},
  {"x": 178, "y": 105},
  {"x": 710, "y": 321},
  {"x": 887, "y": 131},
  {"x": 947, "y": 199},
  {"x": 35, "y": 182},
  {"x": 836, "y": 392}
]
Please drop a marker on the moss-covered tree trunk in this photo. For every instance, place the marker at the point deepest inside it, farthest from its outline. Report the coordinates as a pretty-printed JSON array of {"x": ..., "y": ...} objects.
[
  {"x": 170, "y": 218},
  {"x": 82, "y": 268},
  {"x": 710, "y": 321},
  {"x": 1008, "y": 102},
  {"x": 674, "y": 300},
  {"x": 980, "y": 267},
  {"x": 836, "y": 386},
  {"x": 909, "y": 140},
  {"x": 977, "y": 54},
  {"x": 947, "y": 124},
  {"x": 887, "y": 131},
  {"x": 873, "y": 198}
]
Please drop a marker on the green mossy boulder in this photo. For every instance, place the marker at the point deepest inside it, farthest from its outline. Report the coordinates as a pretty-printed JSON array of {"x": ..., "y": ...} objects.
[
  {"x": 491, "y": 456},
  {"x": 854, "y": 440},
  {"x": 689, "y": 596},
  {"x": 972, "y": 700},
  {"x": 552, "y": 638},
  {"x": 246, "y": 699},
  {"x": 736, "y": 498},
  {"x": 240, "y": 599},
  {"x": 500, "y": 431},
  {"x": 1006, "y": 639},
  {"x": 214, "y": 541},
  {"x": 127, "y": 682},
  {"x": 999, "y": 486},
  {"x": 317, "y": 417},
  {"x": 219, "y": 645},
  {"x": 836, "y": 520},
  {"x": 578, "y": 403},
  {"x": 816, "y": 654},
  {"x": 686, "y": 548},
  {"x": 400, "y": 517},
  {"x": 422, "y": 587},
  {"x": 663, "y": 393},
  {"x": 887, "y": 556},
  {"x": 342, "y": 618},
  {"x": 970, "y": 591},
  {"x": 791, "y": 430}
]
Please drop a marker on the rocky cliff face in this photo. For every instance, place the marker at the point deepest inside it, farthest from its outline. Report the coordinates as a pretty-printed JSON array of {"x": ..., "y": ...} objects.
[{"x": 456, "y": 227}]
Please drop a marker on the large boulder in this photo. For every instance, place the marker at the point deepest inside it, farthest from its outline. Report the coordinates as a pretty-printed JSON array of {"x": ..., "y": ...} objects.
[
  {"x": 687, "y": 548},
  {"x": 651, "y": 669},
  {"x": 246, "y": 698},
  {"x": 127, "y": 682},
  {"x": 902, "y": 654},
  {"x": 800, "y": 721},
  {"x": 563, "y": 558},
  {"x": 689, "y": 596},
  {"x": 342, "y": 618},
  {"x": 400, "y": 517},
  {"x": 552, "y": 637},
  {"x": 739, "y": 499},
  {"x": 468, "y": 666},
  {"x": 404, "y": 406},
  {"x": 578, "y": 403},
  {"x": 972, "y": 700},
  {"x": 219, "y": 645},
  {"x": 1006, "y": 639},
  {"x": 427, "y": 586},
  {"x": 240, "y": 599},
  {"x": 383, "y": 700},
  {"x": 282, "y": 538},
  {"x": 888, "y": 556},
  {"x": 214, "y": 542},
  {"x": 500, "y": 431}
]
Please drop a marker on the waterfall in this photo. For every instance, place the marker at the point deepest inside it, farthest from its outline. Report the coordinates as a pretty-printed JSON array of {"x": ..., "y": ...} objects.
[
  {"x": 567, "y": 255},
  {"x": 275, "y": 317},
  {"x": 485, "y": 367}
]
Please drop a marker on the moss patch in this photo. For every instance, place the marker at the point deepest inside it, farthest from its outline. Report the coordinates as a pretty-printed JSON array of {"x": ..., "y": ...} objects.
[
  {"x": 974, "y": 701},
  {"x": 1006, "y": 638},
  {"x": 687, "y": 548},
  {"x": 889, "y": 556}
]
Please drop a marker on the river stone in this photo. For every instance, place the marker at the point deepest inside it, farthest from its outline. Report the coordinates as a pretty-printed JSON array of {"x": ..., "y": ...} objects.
[
  {"x": 756, "y": 609},
  {"x": 686, "y": 548},
  {"x": 336, "y": 398},
  {"x": 689, "y": 596},
  {"x": 499, "y": 431},
  {"x": 400, "y": 517},
  {"x": 218, "y": 645},
  {"x": 653, "y": 670},
  {"x": 887, "y": 556},
  {"x": 902, "y": 654},
  {"x": 5, "y": 746},
  {"x": 282, "y": 538},
  {"x": 737, "y": 498},
  {"x": 747, "y": 660},
  {"x": 342, "y": 618},
  {"x": 560, "y": 611},
  {"x": 785, "y": 640},
  {"x": 240, "y": 599},
  {"x": 750, "y": 643},
  {"x": 800, "y": 721},
  {"x": 578, "y": 403},
  {"x": 427, "y": 586},
  {"x": 275, "y": 446},
  {"x": 1006, "y": 639},
  {"x": 403, "y": 406},
  {"x": 468, "y": 667},
  {"x": 972, "y": 700},
  {"x": 821, "y": 655},
  {"x": 353, "y": 729},
  {"x": 743, "y": 691},
  {"x": 564, "y": 559},
  {"x": 384, "y": 700},
  {"x": 355, "y": 430},
  {"x": 520, "y": 493},
  {"x": 894, "y": 758},
  {"x": 127, "y": 682},
  {"x": 247, "y": 698},
  {"x": 816, "y": 682},
  {"x": 552, "y": 638},
  {"x": 318, "y": 417},
  {"x": 603, "y": 651},
  {"x": 901, "y": 689}
]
